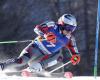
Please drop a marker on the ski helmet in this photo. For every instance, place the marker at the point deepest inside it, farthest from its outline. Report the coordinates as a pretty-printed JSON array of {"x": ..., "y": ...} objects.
[{"x": 68, "y": 22}]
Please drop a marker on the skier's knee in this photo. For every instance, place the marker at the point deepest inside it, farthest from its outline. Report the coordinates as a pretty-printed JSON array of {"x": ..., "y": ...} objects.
[
  {"x": 23, "y": 59},
  {"x": 19, "y": 61},
  {"x": 35, "y": 67}
]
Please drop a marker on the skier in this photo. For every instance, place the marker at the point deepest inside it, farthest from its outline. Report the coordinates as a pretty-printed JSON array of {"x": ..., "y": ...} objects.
[{"x": 44, "y": 51}]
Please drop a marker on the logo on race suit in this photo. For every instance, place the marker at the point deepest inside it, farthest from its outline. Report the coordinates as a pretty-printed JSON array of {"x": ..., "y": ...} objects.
[{"x": 51, "y": 45}]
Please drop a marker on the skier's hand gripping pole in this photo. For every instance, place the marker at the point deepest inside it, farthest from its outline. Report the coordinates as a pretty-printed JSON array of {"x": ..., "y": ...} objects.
[{"x": 75, "y": 59}]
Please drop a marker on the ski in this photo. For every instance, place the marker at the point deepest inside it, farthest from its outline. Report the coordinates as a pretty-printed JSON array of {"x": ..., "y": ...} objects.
[{"x": 44, "y": 73}]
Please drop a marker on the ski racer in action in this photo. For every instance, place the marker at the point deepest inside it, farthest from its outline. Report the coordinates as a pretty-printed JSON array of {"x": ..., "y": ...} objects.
[{"x": 44, "y": 51}]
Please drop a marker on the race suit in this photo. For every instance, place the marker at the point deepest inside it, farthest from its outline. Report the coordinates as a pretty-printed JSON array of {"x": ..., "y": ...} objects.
[{"x": 42, "y": 51}]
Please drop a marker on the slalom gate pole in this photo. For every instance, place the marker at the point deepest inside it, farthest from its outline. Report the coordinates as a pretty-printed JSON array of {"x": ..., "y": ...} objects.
[{"x": 96, "y": 40}]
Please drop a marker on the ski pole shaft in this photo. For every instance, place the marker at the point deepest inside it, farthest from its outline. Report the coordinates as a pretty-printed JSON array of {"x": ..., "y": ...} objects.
[
  {"x": 10, "y": 42},
  {"x": 60, "y": 67}
]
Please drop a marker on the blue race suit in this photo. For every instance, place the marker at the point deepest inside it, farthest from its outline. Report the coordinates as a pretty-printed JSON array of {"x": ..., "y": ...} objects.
[{"x": 41, "y": 50}]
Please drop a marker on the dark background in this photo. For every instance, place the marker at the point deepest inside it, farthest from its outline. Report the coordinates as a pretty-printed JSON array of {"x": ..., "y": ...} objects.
[{"x": 18, "y": 18}]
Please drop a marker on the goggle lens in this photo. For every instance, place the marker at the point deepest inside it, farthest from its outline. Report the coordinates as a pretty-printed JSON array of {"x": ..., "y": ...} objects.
[{"x": 69, "y": 28}]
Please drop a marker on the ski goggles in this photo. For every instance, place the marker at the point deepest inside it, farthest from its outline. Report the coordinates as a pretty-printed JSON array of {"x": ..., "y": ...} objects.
[{"x": 69, "y": 28}]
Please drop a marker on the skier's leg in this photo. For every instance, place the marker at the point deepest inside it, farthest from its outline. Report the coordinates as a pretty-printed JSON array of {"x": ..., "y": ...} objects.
[
  {"x": 15, "y": 62},
  {"x": 52, "y": 60},
  {"x": 45, "y": 62},
  {"x": 23, "y": 59}
]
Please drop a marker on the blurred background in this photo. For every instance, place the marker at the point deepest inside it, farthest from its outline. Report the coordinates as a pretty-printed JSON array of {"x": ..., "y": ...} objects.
[{"x": 19, "y": 17}]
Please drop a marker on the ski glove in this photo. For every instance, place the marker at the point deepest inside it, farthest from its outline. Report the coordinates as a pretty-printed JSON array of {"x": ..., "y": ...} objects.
[
  {"x": 75, "y": 59},
  {"x": 50, "y": 37}
]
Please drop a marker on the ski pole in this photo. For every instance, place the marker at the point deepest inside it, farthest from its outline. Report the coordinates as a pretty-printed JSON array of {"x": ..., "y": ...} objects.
[
  {"x": 59, "y": 67},
  {"x": 10, "y": 42}
]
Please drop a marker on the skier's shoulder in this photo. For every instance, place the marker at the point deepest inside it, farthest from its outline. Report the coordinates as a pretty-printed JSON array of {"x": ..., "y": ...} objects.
[{"x": 48, "y": 23}]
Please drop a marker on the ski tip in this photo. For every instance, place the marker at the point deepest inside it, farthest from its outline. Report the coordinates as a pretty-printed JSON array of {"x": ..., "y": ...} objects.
[{"x": 68, "y": 75}]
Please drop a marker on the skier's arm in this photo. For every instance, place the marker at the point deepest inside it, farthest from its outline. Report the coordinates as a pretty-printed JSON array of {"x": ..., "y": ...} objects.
[
  {"x": 44, "y": 28},
  {"x": 75, "y": 56}
]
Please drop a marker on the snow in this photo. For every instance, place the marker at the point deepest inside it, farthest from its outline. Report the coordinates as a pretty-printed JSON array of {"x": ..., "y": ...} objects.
[
  {"x": 44, "y": 78},
  {"x": 14, "y": 77}
]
